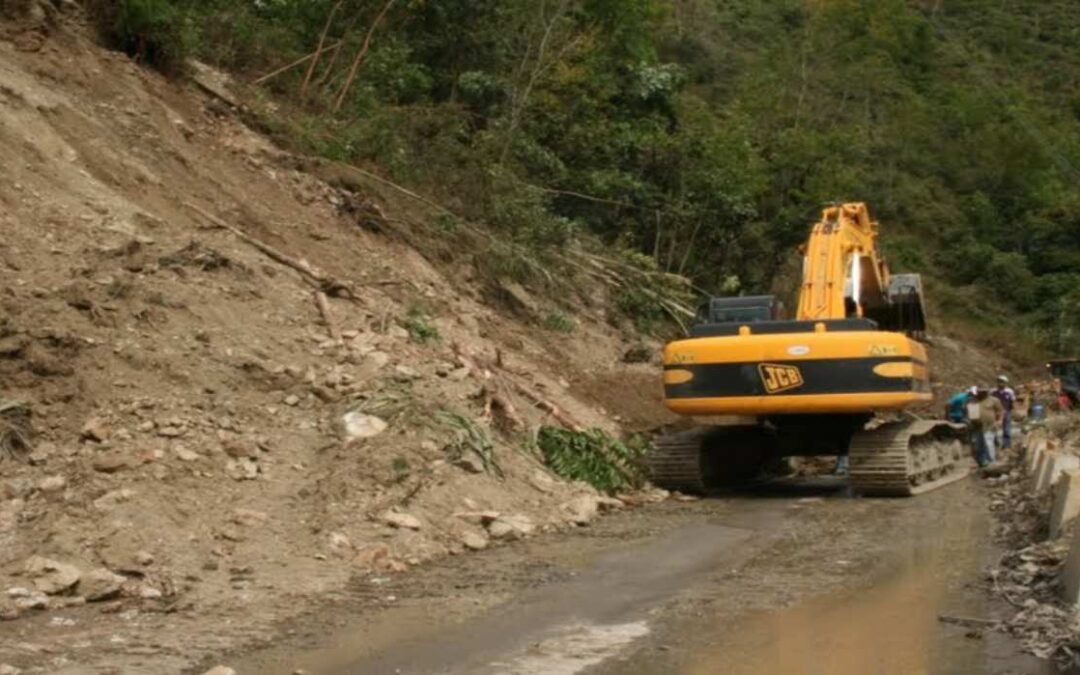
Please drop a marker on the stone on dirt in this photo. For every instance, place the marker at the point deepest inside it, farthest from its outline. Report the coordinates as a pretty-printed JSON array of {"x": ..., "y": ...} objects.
[
  {"x": 220, "y": 670},
  {"x": 470, "y": 462},
  {"x": 51, "y": 576},
  {"x": 238, "y": 448},
  {"x": 511, "y": 527},
  {"x": 358, "y": 425},
  {"x": 8, "y": 669},
  {"x": 372, "y": 556},
  {"x": 95, "y": 429},
  {"x": 110, "y": 463},
  {"x": 112, "y": 498},
  {"x": 478, "y": 517},
  {"x": 402, "y": 520},
  {"x": 52, "y": 484},
  {"x": 474, "y": 541},
  {"x": 185, "y": 455},
  {"x": 249, "y": 517},
  {"x": 609, "y": 503},
  {"x": 582, "y": 510},
  {"x": 100, "y": 584},
  {"x": 340, "y": 544}
]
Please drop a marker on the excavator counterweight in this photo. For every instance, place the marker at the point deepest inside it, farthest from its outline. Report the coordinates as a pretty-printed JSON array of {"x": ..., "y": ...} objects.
[{"x": 816, "y": 384}]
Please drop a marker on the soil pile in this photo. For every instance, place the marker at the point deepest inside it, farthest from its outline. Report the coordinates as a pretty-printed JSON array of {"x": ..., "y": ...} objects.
[{"x": 225, "y": 390}]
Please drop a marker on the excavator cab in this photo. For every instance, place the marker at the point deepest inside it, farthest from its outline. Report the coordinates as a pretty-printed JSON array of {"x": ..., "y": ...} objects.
[{"x": 748, "y": 309}]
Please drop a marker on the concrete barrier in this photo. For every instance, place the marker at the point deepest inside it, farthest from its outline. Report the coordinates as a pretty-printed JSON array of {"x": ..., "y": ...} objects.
[
  {"x": 1031, "y": 458},
  {"x": 1066, "y": 505},
  {"x": 1041, "y": 467},
  {"x": 1053, "y": 469},
  {"x": 1070, "y": 573},
  {"x": 1035, "y": 448}
]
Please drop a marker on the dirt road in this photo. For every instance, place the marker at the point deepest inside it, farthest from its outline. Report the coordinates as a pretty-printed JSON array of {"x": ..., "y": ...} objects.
[{"x": 790, "y": 578}]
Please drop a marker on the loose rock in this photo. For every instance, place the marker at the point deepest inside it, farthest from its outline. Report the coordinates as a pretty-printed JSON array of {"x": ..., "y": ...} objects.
[
  {"x": 96, "y": 430},
  {"x": 110, "y": 463},
  {"x": 401, "y": 520},
  {"x": 358, "y": 425},
  {"x": 474, "y": 541},
  {"x": 51, "y": 576},
  {"x": 52, "y": 484},
  {"x": 582, "y": 510},
  {"x": 238, "y": 448},
  {"x": 100, "y": 584},
  {"x": 372, "y": 556},
  {"x": 470, "y": 462},
  {"x": 185, "y": 455},
  {"x": 511, "y": 527}
]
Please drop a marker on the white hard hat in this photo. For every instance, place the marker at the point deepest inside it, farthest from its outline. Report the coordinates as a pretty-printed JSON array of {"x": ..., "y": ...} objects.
[
  {"x": 1003, "y": 378},
  {"x": 973, "y": 391}
]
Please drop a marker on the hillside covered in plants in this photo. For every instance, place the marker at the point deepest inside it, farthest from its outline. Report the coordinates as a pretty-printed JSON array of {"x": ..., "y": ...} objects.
[{"x": 704, "y": 135}]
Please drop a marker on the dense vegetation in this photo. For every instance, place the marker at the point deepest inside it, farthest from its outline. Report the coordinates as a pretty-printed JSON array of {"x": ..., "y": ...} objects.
[{"x": 705, "y": 134}]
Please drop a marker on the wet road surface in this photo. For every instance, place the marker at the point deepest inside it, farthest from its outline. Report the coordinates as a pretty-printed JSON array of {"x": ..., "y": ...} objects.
[{"x": 791, "y": 578}]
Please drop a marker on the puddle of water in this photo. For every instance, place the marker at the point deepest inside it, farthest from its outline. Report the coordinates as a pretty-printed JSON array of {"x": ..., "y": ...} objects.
[
  {"x": 573, "y": 650},
  {"x": 892, "y": 626},
  {"x": 888, "y": 630}
]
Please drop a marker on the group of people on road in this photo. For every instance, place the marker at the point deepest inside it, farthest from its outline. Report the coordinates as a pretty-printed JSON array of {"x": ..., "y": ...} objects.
[{"x": 988, "y": 414}]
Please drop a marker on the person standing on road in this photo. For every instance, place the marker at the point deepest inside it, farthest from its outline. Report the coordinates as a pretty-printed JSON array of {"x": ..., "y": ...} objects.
[
  {"x": 1007, "y": 396},
  {"x": 984, "y": 416}
]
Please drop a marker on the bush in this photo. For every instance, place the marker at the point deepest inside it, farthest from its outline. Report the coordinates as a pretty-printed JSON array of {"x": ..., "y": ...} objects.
[
  {"x": 591, "y": 456},
  {"x": 150, "y": 31}
]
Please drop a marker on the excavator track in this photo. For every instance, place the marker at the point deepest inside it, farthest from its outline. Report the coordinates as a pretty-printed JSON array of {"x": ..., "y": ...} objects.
[
  {"x": 675, "y": 461},
  {"x": 902, "y": 459}
]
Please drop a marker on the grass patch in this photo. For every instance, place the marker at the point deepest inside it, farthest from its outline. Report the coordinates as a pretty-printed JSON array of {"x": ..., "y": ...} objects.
[{"x": 559, "y": 322}]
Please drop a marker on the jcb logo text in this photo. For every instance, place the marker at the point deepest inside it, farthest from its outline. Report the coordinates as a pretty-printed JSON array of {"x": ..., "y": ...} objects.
[{"x": 777, "y": 378}]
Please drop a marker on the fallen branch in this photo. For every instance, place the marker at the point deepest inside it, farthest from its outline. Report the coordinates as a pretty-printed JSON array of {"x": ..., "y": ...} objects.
[
  {"x": 319, "y": 279},
  {"x": 547, "y": 406},
  {"x": 968, "y": 621},
  {"x": 489, "y": 389},
  {"x": 328, "y": 319},
  {"x": 297, "y": 62}
]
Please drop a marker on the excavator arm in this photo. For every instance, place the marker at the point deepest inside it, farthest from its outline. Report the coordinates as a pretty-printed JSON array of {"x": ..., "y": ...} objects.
[
  {"x": 842, "y": 272},
  {"x": 844, "y": 275}
]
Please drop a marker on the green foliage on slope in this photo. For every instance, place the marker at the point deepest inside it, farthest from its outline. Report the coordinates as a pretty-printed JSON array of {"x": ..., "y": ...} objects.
[{"x": 707, "y": 134}]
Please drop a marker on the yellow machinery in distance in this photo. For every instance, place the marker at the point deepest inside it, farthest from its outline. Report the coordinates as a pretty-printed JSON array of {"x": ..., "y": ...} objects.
[{"x": 812, "y": 385}]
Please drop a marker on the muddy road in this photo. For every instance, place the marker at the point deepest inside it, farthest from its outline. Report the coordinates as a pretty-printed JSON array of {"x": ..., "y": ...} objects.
[{"x": 792, "y": 577}]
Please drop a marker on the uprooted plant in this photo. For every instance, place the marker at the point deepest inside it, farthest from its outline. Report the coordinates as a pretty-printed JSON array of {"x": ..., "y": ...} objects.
[
  {"x": 469, "y": 438},
  {"x": 592, "y": 456},
  {"x": 15, "y": 429}
]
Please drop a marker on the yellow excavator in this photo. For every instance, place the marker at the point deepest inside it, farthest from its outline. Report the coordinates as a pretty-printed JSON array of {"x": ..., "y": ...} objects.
[{"x": 825, "y": 383}]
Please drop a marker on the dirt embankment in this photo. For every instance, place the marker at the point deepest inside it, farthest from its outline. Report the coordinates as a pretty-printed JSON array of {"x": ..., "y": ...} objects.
[{"x": 208, "y": 453}]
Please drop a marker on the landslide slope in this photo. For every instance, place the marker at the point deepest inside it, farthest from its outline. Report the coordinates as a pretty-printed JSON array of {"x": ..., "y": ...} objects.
[{"x": 187, "y": 398}]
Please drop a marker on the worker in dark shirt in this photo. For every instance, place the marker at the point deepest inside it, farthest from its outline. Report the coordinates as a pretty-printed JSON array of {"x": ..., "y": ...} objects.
[{"x": 1004, "y": 393}]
